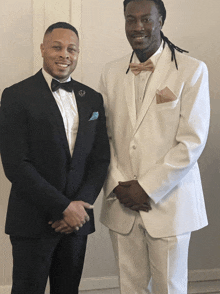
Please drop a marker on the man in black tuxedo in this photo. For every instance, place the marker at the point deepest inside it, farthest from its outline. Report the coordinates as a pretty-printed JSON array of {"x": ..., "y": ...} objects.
[{"x": 55, "y": 152}]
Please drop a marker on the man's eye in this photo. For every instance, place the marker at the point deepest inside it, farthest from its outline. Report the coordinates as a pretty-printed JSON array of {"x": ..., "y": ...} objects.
[
  {"x": 56, "y": 47},
  {"x": 146, "y": 20},
  {"x": 72, "y": 50},
  {"x": 130, "y": 20}
]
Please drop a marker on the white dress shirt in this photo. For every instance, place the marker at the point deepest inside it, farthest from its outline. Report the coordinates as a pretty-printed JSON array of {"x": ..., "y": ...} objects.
[
  {"x": 66, "y": 102},
  {"x": 143, "y": 78}
]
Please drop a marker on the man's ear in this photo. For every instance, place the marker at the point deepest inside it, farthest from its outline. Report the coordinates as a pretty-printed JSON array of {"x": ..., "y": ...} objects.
[
  {"x": 161, "y": 21},
  {"x": 42, "y": 49}
]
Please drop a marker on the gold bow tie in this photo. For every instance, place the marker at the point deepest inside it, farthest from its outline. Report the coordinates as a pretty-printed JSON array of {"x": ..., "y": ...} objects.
[{"x": 145, "y": 66}]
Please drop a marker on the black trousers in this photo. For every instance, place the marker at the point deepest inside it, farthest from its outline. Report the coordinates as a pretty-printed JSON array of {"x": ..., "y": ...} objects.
[{"x": 60, "y": 258}]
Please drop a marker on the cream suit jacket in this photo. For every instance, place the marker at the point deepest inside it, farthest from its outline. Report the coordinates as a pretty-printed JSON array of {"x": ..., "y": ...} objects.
[{"x": 160, "y": 147}]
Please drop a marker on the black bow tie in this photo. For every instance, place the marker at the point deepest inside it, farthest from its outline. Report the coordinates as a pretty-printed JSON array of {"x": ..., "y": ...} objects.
[{"x": 55, "y": 85}]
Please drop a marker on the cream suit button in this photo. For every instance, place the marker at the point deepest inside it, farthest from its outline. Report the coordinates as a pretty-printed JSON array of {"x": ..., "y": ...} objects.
[
  {"x": 135, "y": 177},
  {"x": 134, "y": 147}
]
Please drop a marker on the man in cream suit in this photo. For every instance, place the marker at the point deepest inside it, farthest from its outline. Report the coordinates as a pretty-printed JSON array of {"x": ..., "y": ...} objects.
[{"x": 157, "y": 112}]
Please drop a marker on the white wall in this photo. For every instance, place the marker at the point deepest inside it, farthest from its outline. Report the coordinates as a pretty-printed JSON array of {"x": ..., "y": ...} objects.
[
  {"x": 194, "y": 26},
  {"x": 16, "y": 55},
  {"x": 190, "y": 24}
]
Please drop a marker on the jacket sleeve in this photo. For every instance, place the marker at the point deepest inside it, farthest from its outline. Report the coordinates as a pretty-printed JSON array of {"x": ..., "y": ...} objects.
[
  {"x": 114, "y": 175},
  {"x": 191, "y": 138},
  {"x": 16, "y": 159}
]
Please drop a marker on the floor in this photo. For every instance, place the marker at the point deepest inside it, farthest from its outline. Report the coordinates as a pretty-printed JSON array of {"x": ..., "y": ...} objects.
[{"x": 194, "y": 288}]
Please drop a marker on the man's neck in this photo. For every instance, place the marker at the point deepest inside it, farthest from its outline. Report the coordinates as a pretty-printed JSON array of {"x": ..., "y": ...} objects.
[
  {"x": 52, "y": 77},
  {"x": 144, "y": 55}
]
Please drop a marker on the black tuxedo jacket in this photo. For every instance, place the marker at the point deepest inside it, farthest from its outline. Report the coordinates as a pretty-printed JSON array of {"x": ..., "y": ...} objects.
[{"x": 36, "y": 157}]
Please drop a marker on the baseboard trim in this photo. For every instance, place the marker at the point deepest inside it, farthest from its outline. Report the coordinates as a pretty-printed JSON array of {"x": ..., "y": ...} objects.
[
  {"x": 204, "y": 275},
  {"x": 195, "y": 276},
  {"x": 99, "y": 283},
  {"x": 207, "y": 281},
  {"x": 204, "y": 281}
]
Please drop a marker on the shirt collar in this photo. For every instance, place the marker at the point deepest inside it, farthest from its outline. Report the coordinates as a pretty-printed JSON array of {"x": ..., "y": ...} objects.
[{"x": 49, "y": 78}]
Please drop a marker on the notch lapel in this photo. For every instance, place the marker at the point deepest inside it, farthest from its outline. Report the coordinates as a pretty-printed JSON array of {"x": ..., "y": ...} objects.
[
  {"x": 82, "y": 101},
  {"x": 129, "y": 90},
  {"x": 157, "y": 79},
  {"x": 84, "y": 111}
]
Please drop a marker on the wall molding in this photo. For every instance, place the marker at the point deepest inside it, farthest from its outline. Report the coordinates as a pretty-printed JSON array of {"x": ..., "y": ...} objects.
[
  {"x": 204, "y": 275},
  {"x": 38, "y": 31},
  {"x": 207, "y": 281},
  {"x": 204, "y": 281},
  {"x": 46, "y": 12},
  {"x": 76, "y": 21}
]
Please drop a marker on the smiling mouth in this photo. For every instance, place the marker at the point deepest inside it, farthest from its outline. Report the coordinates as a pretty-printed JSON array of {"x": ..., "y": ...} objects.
[
  {"x": 139, "y": 38},
  {"x": 62, "y": 65}
]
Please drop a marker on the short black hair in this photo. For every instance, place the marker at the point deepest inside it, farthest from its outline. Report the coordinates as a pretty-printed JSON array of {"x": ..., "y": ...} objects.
[
  {"x": 159, "y": 4},
  {"x": 61, "y": 25}
]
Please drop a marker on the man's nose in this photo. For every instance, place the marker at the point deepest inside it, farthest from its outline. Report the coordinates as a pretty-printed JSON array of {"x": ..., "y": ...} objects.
[
  {"x": 64, "y": 53},
  {"x": 139, "y": 26}
]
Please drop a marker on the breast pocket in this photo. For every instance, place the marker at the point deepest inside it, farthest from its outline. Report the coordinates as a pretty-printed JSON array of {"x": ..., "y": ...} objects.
[
  {"x": 91, "y": 125},
  {"x": 89, "y": 133},
  {"x": 167, "y": 105}
]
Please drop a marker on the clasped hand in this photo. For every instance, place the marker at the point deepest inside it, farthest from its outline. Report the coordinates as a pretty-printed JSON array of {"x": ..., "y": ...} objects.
[
  {"x": 74, "y": 217},
  {"x": 133, "y": 196}
]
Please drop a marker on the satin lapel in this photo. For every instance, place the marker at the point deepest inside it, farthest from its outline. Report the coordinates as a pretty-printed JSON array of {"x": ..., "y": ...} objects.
[
  {"x": 54, "y": 114},
  {"x": 82, "y": 101},
  {"x": 84, "y": 112},
  {"x": 157, "y": 78},
  {"x": 130, "y": 96}
]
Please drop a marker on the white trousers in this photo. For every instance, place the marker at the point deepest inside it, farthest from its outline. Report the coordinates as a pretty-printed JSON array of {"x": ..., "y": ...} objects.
[{"x": 148, "y": 265}]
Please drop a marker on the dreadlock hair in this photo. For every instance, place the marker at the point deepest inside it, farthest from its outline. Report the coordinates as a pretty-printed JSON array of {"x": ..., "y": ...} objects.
[
  {"x": 61, "y": 25},
  {"x": 162, "y": 11}
]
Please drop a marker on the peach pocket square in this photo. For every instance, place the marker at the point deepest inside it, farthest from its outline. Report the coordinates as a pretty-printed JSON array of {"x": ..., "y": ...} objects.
[{"x": 165, "y": 95}]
